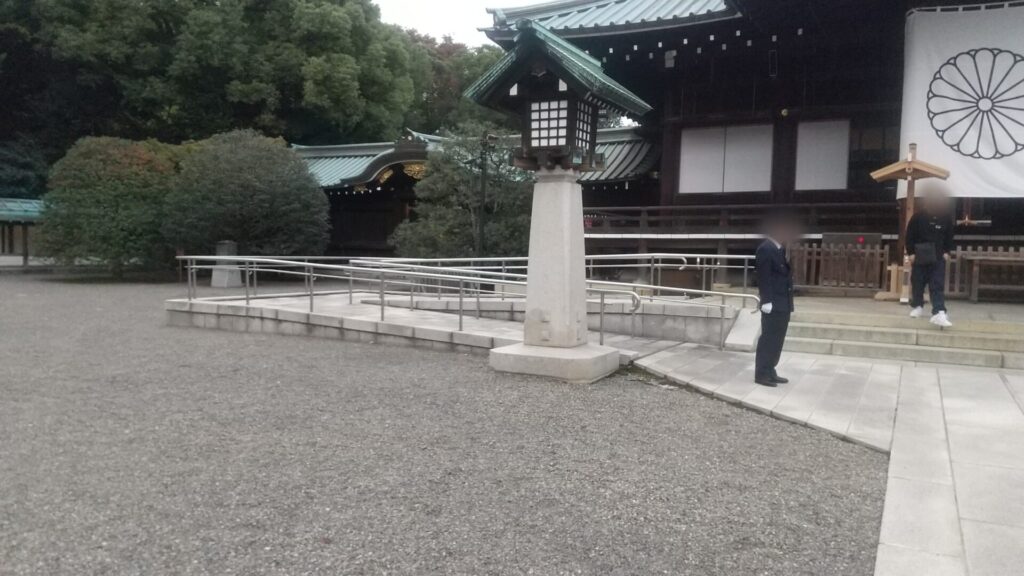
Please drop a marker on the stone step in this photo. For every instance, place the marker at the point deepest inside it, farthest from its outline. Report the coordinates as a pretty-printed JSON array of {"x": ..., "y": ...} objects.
[
  {"x": 905, "y": 322},
  {"x": 898, "y": 352},
  {"x": 938, "y": 338},
  {"x": 819, "y": 331}
]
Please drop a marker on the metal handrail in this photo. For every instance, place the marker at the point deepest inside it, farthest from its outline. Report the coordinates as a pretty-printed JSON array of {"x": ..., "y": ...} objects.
[
  {"x": 250, "y": 266},
  {"x": 403, "y": 263},
  {"x": 654, "y": 262}
]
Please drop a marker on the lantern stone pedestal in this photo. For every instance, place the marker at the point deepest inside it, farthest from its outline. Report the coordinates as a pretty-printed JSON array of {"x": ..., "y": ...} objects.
[{"x": 555, "y": 330}]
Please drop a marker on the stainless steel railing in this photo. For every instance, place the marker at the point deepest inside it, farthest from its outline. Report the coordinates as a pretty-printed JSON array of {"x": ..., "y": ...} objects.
[{"x": 382, "y": 277}]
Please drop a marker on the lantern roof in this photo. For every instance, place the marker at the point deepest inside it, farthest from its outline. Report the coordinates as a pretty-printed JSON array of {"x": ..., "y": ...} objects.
[{"x": 580, "y": 71}]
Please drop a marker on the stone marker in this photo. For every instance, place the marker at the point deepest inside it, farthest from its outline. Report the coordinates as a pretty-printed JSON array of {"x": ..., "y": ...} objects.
[{"x": 226, "y": 277}]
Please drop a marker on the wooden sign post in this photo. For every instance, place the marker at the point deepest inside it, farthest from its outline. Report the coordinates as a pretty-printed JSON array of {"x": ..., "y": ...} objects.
[{"x": 910, "y": 170}]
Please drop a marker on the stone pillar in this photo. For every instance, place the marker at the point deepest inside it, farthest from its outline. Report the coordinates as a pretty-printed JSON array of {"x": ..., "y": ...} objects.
[
  {"x": 226, "y": 277},
  {"x": 555, "y": 329},
  {"x": 556, "y": 292}
]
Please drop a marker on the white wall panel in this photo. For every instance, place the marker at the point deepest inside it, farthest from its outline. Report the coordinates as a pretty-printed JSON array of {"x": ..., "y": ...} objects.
[
  {"x": 823, "y": 155},
  {"x": 748, "y": 158}
]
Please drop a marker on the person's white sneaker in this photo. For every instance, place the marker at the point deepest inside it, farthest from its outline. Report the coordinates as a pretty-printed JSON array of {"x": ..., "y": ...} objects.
[
  {"x": 917, "y": 312},
  {"x": 941, "y": 319}
]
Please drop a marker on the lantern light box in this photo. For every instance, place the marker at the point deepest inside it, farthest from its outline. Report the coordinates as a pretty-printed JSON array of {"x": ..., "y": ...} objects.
[{"x": 558, "y": 92}]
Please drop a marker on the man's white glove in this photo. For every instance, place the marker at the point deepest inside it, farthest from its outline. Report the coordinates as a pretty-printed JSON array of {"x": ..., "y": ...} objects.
[{"x": 766, "y": 308}]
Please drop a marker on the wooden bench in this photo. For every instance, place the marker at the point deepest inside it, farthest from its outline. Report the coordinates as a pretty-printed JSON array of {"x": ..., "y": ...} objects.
[{"x": 976, "y": 262}]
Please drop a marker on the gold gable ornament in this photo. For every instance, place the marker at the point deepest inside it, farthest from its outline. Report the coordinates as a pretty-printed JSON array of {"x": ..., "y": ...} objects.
[{"x": 415, "y": 171}]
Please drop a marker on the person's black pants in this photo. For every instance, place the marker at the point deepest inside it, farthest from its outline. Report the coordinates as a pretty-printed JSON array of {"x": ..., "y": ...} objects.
[
  {"x": 934, "y": 276},
  {"x": 769, "y": 346}
]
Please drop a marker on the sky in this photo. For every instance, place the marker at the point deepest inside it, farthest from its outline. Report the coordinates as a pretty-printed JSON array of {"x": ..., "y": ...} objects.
[{"x": 457, "y": 18}]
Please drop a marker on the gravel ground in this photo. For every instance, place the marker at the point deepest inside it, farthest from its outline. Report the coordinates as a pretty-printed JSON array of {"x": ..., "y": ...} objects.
[{"x": 129, "y": 447}]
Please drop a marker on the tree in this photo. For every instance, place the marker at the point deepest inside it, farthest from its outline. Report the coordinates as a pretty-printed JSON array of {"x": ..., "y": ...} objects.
[
  {"x": 22, "y": 170},
  {"x": 248, "y": 188},
  {"x": 446, "y": 69},
  {"x": 448, "y": 204},
  {"x": 309, "y": 70},
  {"x": 105, "y": 202}
]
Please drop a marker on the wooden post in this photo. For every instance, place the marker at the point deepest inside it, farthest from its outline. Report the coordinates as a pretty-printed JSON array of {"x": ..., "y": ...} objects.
[
  {"x": 909, "y": 213},
  {"x": 24, "y": 244}
]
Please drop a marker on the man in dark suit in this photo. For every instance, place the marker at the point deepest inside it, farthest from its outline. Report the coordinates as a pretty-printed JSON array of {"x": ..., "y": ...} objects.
[{"x": 775, "y": 287}]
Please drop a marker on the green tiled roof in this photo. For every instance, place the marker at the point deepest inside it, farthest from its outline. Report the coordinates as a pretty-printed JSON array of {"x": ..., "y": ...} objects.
[
  {"x": 351, "y": 164},
  {"x": 579, "y": 18},
  {"x": 573, "y": 66},
  {"x": 20, "y": 210}
]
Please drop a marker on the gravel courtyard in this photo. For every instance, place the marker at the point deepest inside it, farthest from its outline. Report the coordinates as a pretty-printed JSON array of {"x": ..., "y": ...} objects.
[{"x": 130, "y": 447}]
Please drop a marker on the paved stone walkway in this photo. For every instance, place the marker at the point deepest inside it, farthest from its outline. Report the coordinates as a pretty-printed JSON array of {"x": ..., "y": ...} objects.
[{"x": 955, "y": 498}]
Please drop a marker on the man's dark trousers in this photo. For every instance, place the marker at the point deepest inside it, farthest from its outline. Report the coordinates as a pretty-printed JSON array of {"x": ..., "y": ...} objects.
[
  {"x": 769, "y": 345},
  {"x": 775, "y": 287},
  {"x": 934, "y": 276}
]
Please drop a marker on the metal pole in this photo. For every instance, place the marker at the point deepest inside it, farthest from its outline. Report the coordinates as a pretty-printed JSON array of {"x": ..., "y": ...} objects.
[
  {"x": 721, "y": 329},
  {"x": 460, "y": 305},
  {"x": 188, "y": 274},
  {"x": 381, "y": 279},
  {"x": 659, "y": 276},
  {"x": 350, "y": 287},
  {"x": 309, "y": 272},
  {"x": 477, "y": 300},
  {"x": 600, "y": 324},
  {"x": 245, "y": 271},
  {"x": 255, "y": 280},
  {"x": 412, "y": 290}
]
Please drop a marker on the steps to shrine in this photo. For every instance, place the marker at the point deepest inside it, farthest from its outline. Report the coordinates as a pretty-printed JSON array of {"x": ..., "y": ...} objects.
[{"x": 891, "y": 337}]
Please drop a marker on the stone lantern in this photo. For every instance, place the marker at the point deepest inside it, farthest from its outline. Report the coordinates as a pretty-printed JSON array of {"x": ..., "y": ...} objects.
[{"x": 557, "y": 91}]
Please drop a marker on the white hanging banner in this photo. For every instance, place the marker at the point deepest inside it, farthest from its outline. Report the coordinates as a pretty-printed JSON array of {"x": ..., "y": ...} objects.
[{"x": 963, "y": 97}]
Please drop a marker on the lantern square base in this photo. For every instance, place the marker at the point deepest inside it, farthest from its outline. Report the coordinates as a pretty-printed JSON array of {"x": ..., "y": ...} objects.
[{"x": 579, "y": 365}]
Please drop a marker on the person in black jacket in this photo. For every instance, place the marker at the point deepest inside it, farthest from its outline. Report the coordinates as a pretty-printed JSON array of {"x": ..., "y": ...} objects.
[
  {"x": 775, "y": 288},
  {"x": 929, "y": 242}
]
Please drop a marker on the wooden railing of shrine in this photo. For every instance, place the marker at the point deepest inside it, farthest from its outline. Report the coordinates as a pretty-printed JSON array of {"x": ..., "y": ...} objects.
[
  {"x": 840, "y": 265},
  {"x": 830, "y": 217},
  {"x": 958, "y": 273},
  {"x": 866, "y": 267}
]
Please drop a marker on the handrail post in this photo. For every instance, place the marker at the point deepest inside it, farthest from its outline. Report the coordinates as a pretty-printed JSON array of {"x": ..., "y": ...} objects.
[
  {"x": 381, "y": 288},
  {"x": 190, "y": 263},
  {"x": 350, "y": 287},
  {"x": 255, "y": 280},
  {"x": 310, "y": 280},
  {"x": 658, "y": 284},
  {"x": 412, "y": 291},
  {"x": 245, "y": 272},
  {"x": 478, "y": 300},
  {"x": 721, "y": 329},
  {"x": 600, "y": 323},
  {"x": 460, "y": 305}
]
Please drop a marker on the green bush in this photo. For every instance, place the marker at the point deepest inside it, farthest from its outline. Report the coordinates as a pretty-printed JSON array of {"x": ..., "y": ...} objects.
[
  {"x": 248, "y": 188},
  {"x": 105, "y": 203}
]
